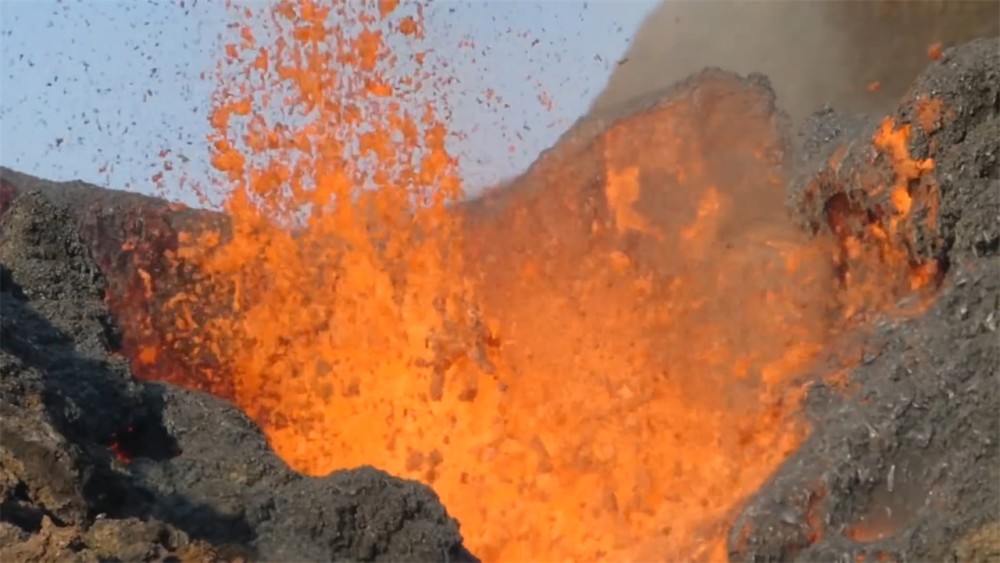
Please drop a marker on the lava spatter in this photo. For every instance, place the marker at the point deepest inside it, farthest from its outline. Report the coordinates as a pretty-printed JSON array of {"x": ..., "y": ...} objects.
[{"x": 602, "y": 369}]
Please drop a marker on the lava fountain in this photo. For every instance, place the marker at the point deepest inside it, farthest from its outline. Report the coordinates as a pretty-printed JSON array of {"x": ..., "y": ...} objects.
[{"x": 601, "y": 361}]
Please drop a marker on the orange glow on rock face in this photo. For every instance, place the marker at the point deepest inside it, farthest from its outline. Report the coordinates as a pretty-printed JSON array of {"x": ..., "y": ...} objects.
[
  {"x": 601, "y": 362},
  {"x": 878, "y": 241}
]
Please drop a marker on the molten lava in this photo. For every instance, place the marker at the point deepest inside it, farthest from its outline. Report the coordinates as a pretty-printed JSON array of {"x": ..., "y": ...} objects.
[{"x": 601, "y": 363}]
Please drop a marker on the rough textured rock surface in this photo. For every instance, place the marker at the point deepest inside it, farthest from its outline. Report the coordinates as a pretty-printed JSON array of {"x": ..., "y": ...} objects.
[
  {"x": 909, "y": 462},
  {"x": 97, "y": 466},
  {"x": 130, "y": 237}
]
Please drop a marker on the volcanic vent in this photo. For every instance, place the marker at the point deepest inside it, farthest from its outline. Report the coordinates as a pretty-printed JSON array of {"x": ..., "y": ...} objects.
[{"x": 637, "y": 350}]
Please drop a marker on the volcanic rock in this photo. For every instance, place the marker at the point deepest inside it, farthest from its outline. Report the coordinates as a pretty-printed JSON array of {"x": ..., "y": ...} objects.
[
  {"x": 910, "y": 460},
  {"x": 96, "y": 466},
  {"x": 131, "y": 238}
]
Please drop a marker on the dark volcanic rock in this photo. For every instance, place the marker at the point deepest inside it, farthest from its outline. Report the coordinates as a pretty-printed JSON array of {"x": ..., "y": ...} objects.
[
  {"x": 952, "y": 110},
  {"x": 247, "y": 495},
  {"x": 97, "y": 466},
  {"x": 131, "y": 238},
  {"x": 909, "y": 463}
]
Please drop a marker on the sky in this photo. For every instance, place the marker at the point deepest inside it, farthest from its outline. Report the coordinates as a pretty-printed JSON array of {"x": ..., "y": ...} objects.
[{"x": 96, "y": 90}]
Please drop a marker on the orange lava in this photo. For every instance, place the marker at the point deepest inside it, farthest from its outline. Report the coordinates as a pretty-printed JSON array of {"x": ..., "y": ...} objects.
[
  {"x": 608, "y": 404},
  {"x": 930, "y": 113},
  {"x": 934, "y": 51}
]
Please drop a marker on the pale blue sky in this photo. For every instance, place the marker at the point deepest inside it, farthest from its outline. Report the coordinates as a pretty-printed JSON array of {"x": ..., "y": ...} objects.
[{"x": 90, "y": 83}]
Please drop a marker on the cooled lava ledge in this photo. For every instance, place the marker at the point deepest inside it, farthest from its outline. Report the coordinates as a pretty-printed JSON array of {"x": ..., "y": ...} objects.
[{"x": 94, "y": 464}]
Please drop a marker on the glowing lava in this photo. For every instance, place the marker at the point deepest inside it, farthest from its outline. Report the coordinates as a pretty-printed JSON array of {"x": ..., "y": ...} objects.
[{"x": 575, "y": 378}]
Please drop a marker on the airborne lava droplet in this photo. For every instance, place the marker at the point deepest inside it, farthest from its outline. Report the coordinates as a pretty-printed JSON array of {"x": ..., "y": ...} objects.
[{"x": 934, "y": 51}]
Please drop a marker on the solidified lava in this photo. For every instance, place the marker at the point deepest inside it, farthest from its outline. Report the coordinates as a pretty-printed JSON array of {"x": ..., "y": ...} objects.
[
  {"x": 906, "y": 466},
  {"x": 621, "y": 389}
]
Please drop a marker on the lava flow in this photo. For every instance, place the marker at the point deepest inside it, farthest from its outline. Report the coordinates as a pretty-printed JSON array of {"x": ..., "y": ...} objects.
[{"x": 576, "y": 378}]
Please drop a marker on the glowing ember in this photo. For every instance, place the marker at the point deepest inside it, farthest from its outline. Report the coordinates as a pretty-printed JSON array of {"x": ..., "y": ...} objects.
[{"x": 576, "y": 379}]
